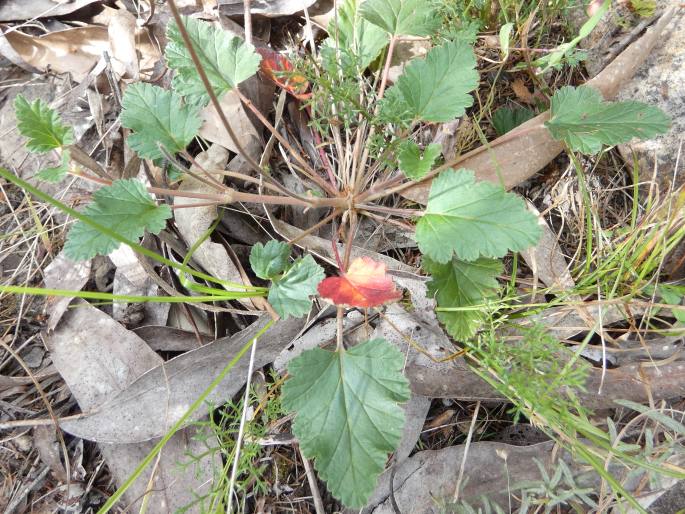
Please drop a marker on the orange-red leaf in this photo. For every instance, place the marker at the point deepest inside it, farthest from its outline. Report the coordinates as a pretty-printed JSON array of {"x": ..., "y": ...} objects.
[
  {"x": 364, "y": 285},
  {"x": 279, "y": 70}
]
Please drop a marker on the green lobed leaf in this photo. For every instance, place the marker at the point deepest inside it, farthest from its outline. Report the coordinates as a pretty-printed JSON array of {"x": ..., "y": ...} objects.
[
  {"x": 358, "y": 41},
  {"x": 158, "y": 117},
  {"x": 582, "y": 119},
  {"x": 57, "y": 173},
  {"x": 473, "y": 219},
  {"x": 124, "y": 207},
  {"x": 41, "y": 125},
  {"x": 227, "y": 60},
  {"x": 402, "y": 17},
  {"x": 437, "y": 88},
  {"x": 673, "y": 295},
  {"x": 415, "y": 164},
  {"x": 347, "y": 413},
  {"x": 462, "y": 284},
  {"x": 269, "y": 260},
  {"x": 290, "y": 294},
  {"x": 504, "y": 38},
  {"x": 505, "y": 119}
]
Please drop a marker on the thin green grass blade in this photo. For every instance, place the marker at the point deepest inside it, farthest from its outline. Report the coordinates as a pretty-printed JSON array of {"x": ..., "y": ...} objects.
[
  {"x": 615, "y": 485},
  {"x": 96, "y": 295},
  {"x": 655, "y": 415}
]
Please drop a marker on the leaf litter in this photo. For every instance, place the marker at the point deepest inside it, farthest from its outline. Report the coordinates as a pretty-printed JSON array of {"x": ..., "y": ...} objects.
[{"x": 142, "y": 405}]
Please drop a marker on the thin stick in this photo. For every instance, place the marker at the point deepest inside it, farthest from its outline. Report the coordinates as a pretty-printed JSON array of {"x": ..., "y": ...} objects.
[
  {"x": 386, "y": 68},
  {"x": 313, "y": 487},
  {"x": 51, "y": 412},
  {"x": 241, "y": 430},
  {"x": 248, "y": 103},
  {"x": 315, "y": 226},
  {"x": 40, "y": 422},
  {"x": 248, "y": 22},
  {"x": 467, "y": 445}
]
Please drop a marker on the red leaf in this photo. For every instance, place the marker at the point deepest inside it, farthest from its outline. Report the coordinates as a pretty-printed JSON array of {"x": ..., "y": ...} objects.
[
  {"x": 364, "y": 285},
  {"x": 279, "y": 70}
]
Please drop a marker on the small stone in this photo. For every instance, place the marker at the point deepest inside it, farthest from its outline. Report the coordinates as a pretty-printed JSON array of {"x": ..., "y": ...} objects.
[
  {"x": 23, "y": 443},
  {"x": 660, "y": 81},
  {"x": 34, "y": 357}
]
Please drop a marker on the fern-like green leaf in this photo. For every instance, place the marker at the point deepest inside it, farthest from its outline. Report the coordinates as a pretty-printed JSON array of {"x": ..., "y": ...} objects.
[
  {"x": 347, "y": 413},
  {"x": 41, "y": 125},
  {"x": 473, "y": 219},
  {"x": 582, "y": 119},
  {"x": 124, "y": 207},
  {"x": 158, "y": 117},
  {"x": 227, "y": 60}
]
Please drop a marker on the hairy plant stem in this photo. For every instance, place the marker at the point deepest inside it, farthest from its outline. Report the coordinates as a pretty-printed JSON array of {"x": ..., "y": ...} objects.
[
  {"x": 306, "y": 168},
  {"x": 208, "y": 177},
  {"x": 386, "y": 68},
  {"x": 360, "y": 177},
  {"x": 215, "y": 101},
  {"x": 398, "y": 183},
  {"x": 191, "y": 205},
  {"x": 231, "y": 195},
  {"x": 340, "y": 347},
  {"x": 316, "y": 226}
]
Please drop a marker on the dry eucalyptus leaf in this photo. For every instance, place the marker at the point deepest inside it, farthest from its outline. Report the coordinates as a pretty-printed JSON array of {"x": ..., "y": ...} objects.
[
  {"x": 97, "y": 364},
  {"x": 155, "y": 401},
  {"x": 46, "y": 442},
  {"x": 131, "y": 279},
  {"x": 170, "y": 339},
  {"x": 20, "y": 10},
  {"x": 63, "y": 273},
  {"x": 405, "y": 50},
  {"x": 213, "y": 130},
  {"x": 193, "y": 223},
  {"x": 546, "y": 260},
  {"x": 75, "y": 51},
  {"x": 431, "y": 475},
  {"x": 122, "y": 40},
  {"x": 521, "y": 91},
  {"x": 269, "y": 8}
]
